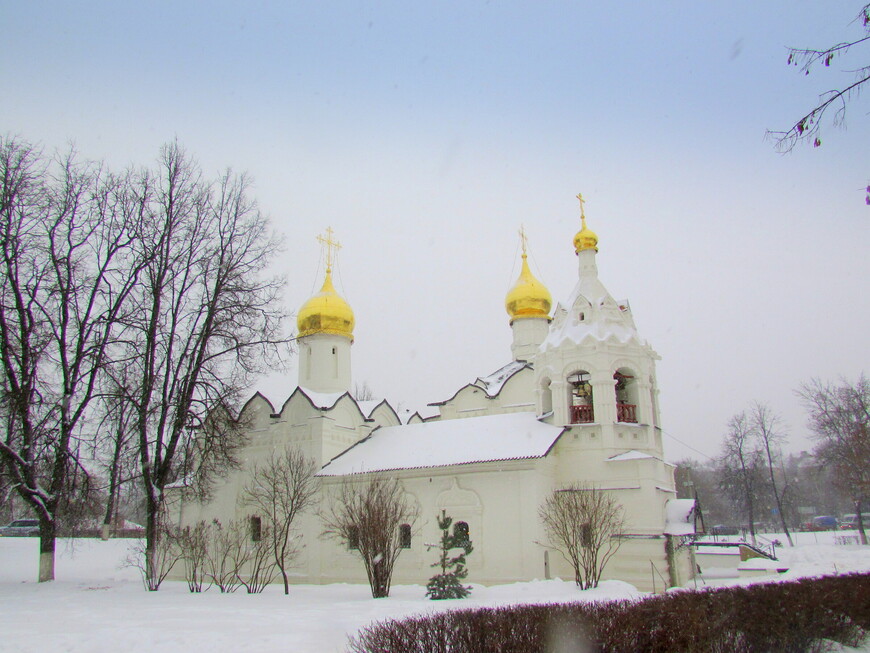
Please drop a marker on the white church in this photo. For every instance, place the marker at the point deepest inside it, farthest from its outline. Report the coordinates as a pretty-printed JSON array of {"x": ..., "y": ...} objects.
[{"x": 575, "y": 403}]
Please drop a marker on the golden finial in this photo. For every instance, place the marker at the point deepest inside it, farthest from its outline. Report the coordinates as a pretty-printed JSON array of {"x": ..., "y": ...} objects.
[
  {"x": 330, "y": 244},
  {"x": 523, "y": 239},
  {"x": 585, "y": 238}
]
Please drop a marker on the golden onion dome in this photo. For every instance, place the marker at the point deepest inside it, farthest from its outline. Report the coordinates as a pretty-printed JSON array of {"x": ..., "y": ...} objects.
[
  {"x": 326, "y": 312},
  {"x": 528, "y": 297},
  {"x": 585, "y": 238}
]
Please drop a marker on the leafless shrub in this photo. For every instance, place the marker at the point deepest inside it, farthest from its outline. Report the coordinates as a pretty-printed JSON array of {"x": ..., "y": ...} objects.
[
  {"x": 194, "y": 542},
  {"x": 584, "y": 525},
  {"x": 365, "y": 516},
  {"x": 280, "y": 489}
]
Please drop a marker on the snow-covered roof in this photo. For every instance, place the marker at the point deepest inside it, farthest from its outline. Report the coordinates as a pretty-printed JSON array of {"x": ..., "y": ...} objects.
[
  {"x": 368, "y": 406},
  {"x": 322, "y": 399},
  {"x": 631, "y": 455},
  {"x": 494, "y": 382},
  {"x": 491, "y": 384},
  {"x": 447, "y": 442},
  {"x": 680, "y": 517}
]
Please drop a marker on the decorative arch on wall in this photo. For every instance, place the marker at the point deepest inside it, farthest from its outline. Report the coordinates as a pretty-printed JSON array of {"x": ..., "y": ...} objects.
[{"x": 465, "y": 507}]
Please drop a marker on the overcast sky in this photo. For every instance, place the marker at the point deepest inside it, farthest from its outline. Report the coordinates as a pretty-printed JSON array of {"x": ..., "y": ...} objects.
[{"x": 425, "y": 133}]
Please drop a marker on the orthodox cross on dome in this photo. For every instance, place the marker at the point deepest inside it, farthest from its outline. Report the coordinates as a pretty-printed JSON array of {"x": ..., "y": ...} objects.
[
  {"x": 331, "y": 245},
  {"x": 523, "y": 239},
  {"x": 582, "y": 207}
]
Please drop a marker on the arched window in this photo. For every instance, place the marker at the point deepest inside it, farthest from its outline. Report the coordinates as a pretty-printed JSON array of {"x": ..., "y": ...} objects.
[
  {"x": 461, "y": 533},
  {"x": 353, "y": 538},
  {"x": 625, "y": 384},
  {"x": 256, "y": 529},
  {"x": 405, "y": 536},
  {"x": 580, "y": 405}
]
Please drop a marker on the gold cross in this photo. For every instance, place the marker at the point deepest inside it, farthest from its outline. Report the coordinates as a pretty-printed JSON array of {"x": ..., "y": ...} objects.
[
  {"x": 582, "y": 205},
  {"x": 523, "y": 238},
  {"x": 329, "y": 243}
]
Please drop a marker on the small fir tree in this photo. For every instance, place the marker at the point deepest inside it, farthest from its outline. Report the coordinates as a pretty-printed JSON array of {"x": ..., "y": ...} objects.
[{"x": 448, "y": 584}]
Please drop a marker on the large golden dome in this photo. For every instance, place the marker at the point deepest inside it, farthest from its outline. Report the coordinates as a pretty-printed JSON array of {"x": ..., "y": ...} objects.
[
  {"x": 326, "y": 312},
  {"x": 585, "y": 238},
  {"x": 529, "y": 297}
]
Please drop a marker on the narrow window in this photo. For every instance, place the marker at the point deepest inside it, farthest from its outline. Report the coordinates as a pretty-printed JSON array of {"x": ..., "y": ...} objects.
[
  {"x": 586, "y": 535},
  {"x": 353, "y": 538},
  {"x": 460, "y": 532},
  {"x": 256, "y": 529},
  {"x": 405, "y": 536}
]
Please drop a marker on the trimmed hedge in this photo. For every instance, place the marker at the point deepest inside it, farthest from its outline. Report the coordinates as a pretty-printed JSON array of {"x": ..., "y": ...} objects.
[{"x": 803, "y": 615}]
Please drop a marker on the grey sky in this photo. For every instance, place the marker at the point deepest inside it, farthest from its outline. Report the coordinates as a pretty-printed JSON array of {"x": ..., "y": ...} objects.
[{"x": 426, "y": 133}]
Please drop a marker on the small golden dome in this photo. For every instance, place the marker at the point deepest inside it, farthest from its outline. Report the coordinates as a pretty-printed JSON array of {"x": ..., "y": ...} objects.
[
  {"x": 326, "y": 312},
  {"x": 529, "y": 297},
  {"x": 585, "y": 238}
]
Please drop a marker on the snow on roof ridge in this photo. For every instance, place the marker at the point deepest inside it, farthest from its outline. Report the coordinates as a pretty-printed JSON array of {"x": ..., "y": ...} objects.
[
  {"x": 493, "y": 383},
  {"x": 632, "y": 454},
  {"x": 440, "y": 443}
]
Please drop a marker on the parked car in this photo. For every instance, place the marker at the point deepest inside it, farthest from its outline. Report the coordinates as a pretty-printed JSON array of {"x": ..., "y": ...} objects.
[
  {"x": 824, "y": 523},
  {"x": 850, "y": 522},
  {"x": 20, "y": 528}
]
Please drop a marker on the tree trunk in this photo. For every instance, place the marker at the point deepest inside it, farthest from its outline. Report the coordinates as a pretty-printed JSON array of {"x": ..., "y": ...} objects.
[
  {"x": 47, "y": 539},
  {"x": 861, "y": 525},
  {"x": 152, "y": 582}
]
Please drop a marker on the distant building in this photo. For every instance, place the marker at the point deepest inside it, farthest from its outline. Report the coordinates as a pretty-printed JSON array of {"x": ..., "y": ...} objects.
[{"x": 576, "y": 403}]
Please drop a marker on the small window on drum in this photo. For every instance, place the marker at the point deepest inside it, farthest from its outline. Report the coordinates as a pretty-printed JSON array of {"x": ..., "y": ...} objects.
[{"x": 256, "y": 529}]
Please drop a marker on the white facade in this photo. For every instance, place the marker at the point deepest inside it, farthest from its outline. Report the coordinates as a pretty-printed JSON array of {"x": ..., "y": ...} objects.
[{"x": 577, "y": 404}]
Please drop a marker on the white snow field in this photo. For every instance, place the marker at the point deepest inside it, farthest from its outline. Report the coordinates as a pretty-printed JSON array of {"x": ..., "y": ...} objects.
[{"x": 97, "y": 604}]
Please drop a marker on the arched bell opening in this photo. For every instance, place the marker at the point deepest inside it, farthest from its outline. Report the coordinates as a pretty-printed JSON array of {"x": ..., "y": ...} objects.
[
  {"x": 625, "y": 384},
  {"x": 580, "y": 404}
]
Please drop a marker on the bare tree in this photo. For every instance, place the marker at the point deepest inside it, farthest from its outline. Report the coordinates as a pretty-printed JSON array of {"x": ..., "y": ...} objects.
[
  {"x": 840, "y": 420},
  {"x": 808, "y": 127},
  {"x": 280, "y": 489},
  {"x": 767, "y": 428},
  {"x": 207, "y": 322},
  {"x": 584, "y": 524},
  {"x": 363, "y": 391},
  {"x": 740, "y": 466},
  {"x": 68, "y": 268},
  {"x": 114, "y": 447},
  {"x": 365, "y": 516}
]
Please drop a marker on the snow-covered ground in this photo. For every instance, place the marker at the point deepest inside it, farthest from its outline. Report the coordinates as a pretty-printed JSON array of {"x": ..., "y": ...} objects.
[{"x": 97, "y": 604}]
